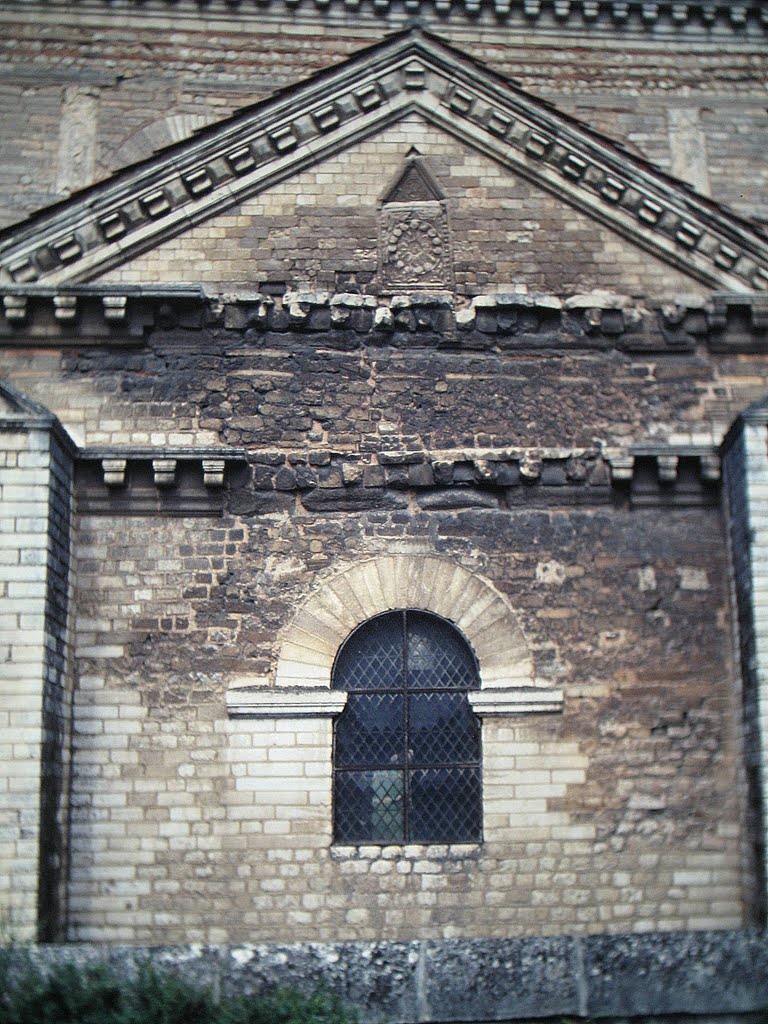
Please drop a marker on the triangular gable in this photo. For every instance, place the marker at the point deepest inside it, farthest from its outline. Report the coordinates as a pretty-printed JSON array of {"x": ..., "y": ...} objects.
[{"x": 135, "y": 210}]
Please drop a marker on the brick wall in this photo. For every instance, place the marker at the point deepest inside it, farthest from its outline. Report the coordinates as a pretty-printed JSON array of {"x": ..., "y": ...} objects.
[
  {"x": 620, "y": 812},
  {"x": 249, "y": 387},
  {"x": 624, "y": 810},
  {"x": 622, "y": 807},
  {"x": 35, "y": 490},
  {"x": 745, "y": 464}
]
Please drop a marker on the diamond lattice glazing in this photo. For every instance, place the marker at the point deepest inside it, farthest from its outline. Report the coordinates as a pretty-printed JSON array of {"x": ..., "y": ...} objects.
[{"x": 407, "y": 746}]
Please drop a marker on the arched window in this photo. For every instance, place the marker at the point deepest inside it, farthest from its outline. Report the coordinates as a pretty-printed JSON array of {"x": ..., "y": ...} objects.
[{"x": 407, "y": 746}]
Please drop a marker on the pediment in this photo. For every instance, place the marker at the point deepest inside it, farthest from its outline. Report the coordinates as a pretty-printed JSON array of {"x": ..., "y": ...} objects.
[{"x": 191, "y": 182}]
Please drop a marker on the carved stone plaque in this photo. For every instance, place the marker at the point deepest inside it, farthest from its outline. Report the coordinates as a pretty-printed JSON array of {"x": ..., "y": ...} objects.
[{"x": 415, "y": 247}]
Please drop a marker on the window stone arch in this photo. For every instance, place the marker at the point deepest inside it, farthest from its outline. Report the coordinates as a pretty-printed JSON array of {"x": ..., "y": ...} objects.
[
  {"x": 388, "y": 582},
  {"x": 302, "y": 682}
]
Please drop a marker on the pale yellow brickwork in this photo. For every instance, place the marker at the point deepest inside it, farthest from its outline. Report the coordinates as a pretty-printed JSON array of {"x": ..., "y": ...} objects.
[
  {"x": 25, "y": 471},
  {"x": 221, "y": 830}
]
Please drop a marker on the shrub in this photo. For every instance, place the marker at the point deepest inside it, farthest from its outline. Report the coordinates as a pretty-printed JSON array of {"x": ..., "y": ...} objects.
[{"x": 69, "y": 994}]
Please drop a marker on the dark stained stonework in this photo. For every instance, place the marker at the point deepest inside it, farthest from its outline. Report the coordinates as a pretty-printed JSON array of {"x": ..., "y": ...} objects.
[{"x": 126, "y": 317}]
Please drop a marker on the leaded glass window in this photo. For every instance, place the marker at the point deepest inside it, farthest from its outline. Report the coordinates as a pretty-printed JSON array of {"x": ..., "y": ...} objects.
[{"x": 407, "y": 746}]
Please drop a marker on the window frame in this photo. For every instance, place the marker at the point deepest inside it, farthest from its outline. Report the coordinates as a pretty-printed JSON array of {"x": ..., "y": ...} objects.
[{"x": 408, "y": 769}]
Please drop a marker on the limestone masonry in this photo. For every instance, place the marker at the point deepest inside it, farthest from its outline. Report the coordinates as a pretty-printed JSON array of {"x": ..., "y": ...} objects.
[{"x": 312, "y": 313}]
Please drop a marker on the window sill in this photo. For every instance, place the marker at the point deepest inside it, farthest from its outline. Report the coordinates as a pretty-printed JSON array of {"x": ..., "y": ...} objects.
[
  {"x": 515, "y": 700},
  {"x": 405, "y": 851},
  {"x": 260, "y": 702}
]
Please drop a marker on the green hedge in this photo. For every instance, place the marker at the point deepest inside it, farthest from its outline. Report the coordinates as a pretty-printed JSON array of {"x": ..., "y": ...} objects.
[{"x": 69, "y": 994}]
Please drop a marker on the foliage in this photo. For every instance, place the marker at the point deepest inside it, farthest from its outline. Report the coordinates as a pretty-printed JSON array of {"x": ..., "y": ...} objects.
[{"x": 69, "y": 994}]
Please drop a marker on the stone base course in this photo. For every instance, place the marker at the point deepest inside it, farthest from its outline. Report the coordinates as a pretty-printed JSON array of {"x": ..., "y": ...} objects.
[{"x": 706, "y": 975}]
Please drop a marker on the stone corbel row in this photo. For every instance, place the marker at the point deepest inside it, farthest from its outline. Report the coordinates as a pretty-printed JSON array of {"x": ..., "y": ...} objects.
[
  {"x": 729, "y": 322},
  {"x": 83, "y": 312},
  {"x": 594, "y": 14},
  {"x": 189, "y": 481},
  {"x": 593, "y": 318},
  {"x": 16, "y": 307},
  {"x": 164, "y": 471},
  {"x": 649, "y": 11},
  {"x": 194, "y": 481},
  {"x": 260, "y": 701},
  {"x": 623, "y": 462}
]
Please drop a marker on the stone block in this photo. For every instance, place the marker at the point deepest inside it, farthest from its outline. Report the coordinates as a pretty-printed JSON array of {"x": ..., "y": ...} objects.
[{"x": 683, "y": 972}]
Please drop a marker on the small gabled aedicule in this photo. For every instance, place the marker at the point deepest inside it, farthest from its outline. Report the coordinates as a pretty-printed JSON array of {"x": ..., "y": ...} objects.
[
  {"x": 414, "y": 240},
  {"x": 134, "y": 211}
]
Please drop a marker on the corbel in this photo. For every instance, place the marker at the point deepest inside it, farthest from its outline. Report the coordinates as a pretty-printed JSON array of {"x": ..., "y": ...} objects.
[
  {"x": 680, "y": 12},
  {"x": 666, "y": 467},
  {"x": 738, "y": 14},
  {"x": 530, "y": 467},
  {"x": 114, "y": 472},
  {"x": 15, "y": 307},
  {"x": 650, "y": 11},
  {"x": 65, "y": 307},
  {"x": 622, "y": 464},
  {"x": 382, "y": 319},
  {"x": 115, "y": 307},
  {"x": 465, "y": 318},
  {"x": 710, "y": 467},
  {"x": 164, "y": 472},
  {"x": 213, "y": 472}
]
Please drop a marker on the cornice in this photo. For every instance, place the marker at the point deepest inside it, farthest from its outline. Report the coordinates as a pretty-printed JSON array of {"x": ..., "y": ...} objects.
[
  {"x": 304, "y": 702},
  {"x": 156, "y": 481},
  {"x": 204, "y": 482},
  {"x": 503, "y": 702},
  {"x": 143, "y": 206},
  {"x": 690, "y": 19},
  {"x": 663, "y": 474},
  {"x": 105, "y": 316},
  {"x": 258, "y": 701}
]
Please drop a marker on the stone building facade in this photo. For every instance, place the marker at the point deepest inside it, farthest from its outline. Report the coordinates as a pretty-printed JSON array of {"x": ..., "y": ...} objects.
[{"x": 314, "y": 315}]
